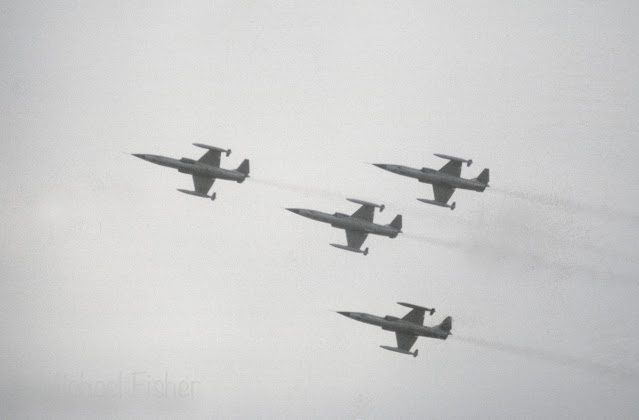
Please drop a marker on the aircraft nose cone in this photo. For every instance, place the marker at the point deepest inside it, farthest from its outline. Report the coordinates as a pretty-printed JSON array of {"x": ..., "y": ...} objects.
[
  {"x": 296, "y": 211},
  {"x": 139, "y": 155},
  {"x": 348, "y": 314},
  {"x": 381, "y": 165}
]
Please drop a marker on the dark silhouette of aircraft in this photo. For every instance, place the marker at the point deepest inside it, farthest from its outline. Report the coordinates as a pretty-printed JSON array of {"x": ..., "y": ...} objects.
[
  {"x": 357, "y": 226},
  {"x": 444, "y": 180},
  {"x": 205, "y": 170},
  {"x": 406, "y": 329}
]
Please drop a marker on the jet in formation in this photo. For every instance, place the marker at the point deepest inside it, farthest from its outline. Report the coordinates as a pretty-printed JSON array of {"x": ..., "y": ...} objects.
[
  {"x": 357, "y": 226},
  {"x": 205, "y": 170},
  {"x": 444, "y": 180},
  {"x": 406, "y": 329}
]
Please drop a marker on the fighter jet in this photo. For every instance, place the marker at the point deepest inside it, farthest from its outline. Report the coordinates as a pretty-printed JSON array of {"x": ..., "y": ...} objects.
[
  {"x": 357, "y": 226},
  {"x": 406, "y": 329},
  {"x": 205, "y": 170},
  {"x": 444, "y": 181}
]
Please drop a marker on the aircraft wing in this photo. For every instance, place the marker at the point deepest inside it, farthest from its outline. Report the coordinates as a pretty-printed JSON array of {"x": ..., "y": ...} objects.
[
  {"x": 212, "y": 158},
  {"x": 442, "y": 193},
  {"x": 202, "y": 184},
  {"x": 452, "y": 168},
  {"x": 416, "y": 316},
  {"x": 365, "y": 212},
  {"x": 405, "y": 341},
  {"x": 355, "y": 239}
]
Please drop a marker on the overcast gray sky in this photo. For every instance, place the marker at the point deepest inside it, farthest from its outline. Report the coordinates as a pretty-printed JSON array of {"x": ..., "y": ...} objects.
[{"x": 114, "y": 284}]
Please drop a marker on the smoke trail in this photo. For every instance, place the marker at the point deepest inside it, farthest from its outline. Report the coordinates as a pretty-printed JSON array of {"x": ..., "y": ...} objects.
[
  {"x": 437, "y": 241},
  {"x": 531, "y": 229},
  {"x": 528, "y": 259},
  {"x": 297, "y": 188},
  {"x": 618, "y": 371},
  {"x": 601, "y": 211}
]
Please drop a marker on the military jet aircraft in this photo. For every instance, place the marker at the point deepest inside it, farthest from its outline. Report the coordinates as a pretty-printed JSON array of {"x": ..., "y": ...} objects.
[
  {"x": 406, "y": 329},
  {"x": 444, "y": 181},
  {"x": 357, "y": 226},
  {"x": 205, "y": 170}
]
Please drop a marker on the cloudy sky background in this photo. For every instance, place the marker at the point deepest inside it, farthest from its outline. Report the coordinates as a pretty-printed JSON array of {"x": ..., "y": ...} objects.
[{"x": 107, "y": 273}]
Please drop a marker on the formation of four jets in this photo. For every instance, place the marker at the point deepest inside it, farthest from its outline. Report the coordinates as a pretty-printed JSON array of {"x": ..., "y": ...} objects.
[{"x": 357, "y": 226}]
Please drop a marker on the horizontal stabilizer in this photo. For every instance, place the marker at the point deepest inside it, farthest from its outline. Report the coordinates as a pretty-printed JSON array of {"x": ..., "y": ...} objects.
[
  {"x": 348, "y": 248},
  {"x": 402, "y": 351},
  {"x": 366, "y": 203},
  {"x": 437, "y": 203},
  {"x": 197, "y": 194},
  {"x": 410, "y": 305},
  {"x": 456, "y": 159},
  {"x": 217, "y": 149}
]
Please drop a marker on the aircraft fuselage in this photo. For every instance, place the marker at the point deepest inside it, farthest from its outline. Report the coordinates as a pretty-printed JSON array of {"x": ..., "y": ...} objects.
[
  {"x": 193, "y": 167},
  {"x": 346, "y": 222},
  {"x": 391, "y": 323},
  {"x": 432, "y": 176}
]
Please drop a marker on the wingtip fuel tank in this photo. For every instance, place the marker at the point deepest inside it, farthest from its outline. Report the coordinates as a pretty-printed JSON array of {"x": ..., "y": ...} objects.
[
  {"x": 367, "y": 203},
  {"x": 348, "y": 248},
  {"x": 219, "y": 149},
  {"x": 467, "y": 161},
  {"x": 197, "y": 194},
  {"x": 437, "y": 203},
  {"x": 402, "y": 351},
  {"x": 412, "y": 306}
]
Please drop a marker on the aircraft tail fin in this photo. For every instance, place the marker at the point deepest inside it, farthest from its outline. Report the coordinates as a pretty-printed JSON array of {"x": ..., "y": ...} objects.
[
  {"x": 244, "y": 167},
  {"x": 446, "y": 325},
  {"x": 397, "y": 222},
  {"x": 483, "y": 176}
]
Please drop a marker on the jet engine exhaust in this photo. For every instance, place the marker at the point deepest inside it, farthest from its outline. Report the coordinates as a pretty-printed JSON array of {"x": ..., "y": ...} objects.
[
  {"x": 602, "y": 211},
  {"x": 297, "y": 188},
  {"x": 620, "y": 372}
]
